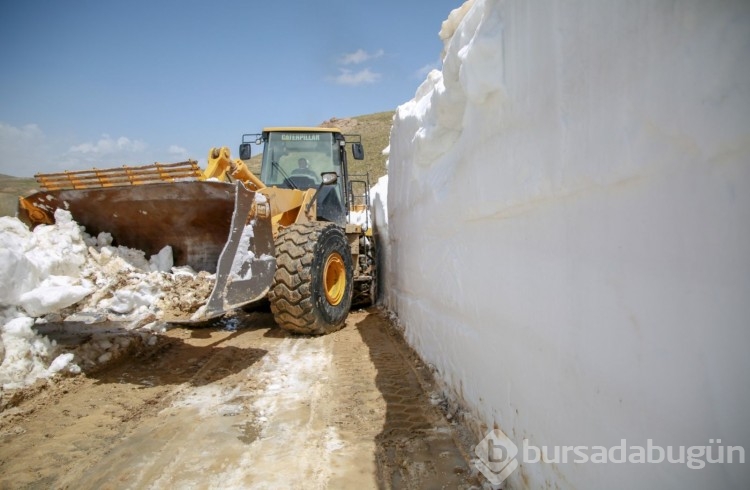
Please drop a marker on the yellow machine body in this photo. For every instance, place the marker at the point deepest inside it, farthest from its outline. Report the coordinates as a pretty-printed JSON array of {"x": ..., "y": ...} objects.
[{"x": 203, "y": 215}]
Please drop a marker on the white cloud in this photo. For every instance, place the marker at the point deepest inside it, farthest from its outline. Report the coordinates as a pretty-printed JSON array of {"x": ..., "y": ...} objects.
[
  {"x": 359, "y": 56},
  {"x": 25, "y": 133},
  {"x": 27, "y": 150},
  {"x": 176, "y": 153},
  {"x": 363, "y": 76},
  {"x": 107, "y": 145},
  {"x": 106, "y": 152},
  {"x": 347, "y": 77},
  {"x": 177, "y": 150}
]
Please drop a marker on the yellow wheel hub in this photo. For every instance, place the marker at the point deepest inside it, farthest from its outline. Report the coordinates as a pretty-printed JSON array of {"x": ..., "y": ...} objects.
[{"x": 334, "y": 279}]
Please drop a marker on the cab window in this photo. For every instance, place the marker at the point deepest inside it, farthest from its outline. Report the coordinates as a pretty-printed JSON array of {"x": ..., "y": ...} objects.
[{"x": 296, "y": 159}]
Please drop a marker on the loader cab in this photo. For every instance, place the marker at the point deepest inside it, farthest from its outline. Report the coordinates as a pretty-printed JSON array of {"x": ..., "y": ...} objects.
[{"x": 295, "y": 158}]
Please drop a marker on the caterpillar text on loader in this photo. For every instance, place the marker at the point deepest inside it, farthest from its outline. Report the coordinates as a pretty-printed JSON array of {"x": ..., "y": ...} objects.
[{"x": 284, "y": 236}]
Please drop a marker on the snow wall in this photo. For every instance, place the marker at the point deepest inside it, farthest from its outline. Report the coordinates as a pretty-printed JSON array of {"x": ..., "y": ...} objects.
[{"x": 567, "y": 232}]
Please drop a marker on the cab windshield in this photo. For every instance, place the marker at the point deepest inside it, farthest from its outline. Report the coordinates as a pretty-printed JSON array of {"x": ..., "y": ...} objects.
[{"x": 296, "y": 159}]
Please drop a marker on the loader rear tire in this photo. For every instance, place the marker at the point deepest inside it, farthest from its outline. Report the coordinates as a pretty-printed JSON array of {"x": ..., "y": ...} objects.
[{"x": 311, "y": 291}]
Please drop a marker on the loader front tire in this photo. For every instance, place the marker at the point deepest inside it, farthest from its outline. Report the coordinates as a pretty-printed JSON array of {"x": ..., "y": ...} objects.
[{"x": 311, "y": 291}]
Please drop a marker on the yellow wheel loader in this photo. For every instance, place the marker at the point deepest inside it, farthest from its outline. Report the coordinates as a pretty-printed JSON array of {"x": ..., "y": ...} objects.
[{"x": 285, "y": 235}]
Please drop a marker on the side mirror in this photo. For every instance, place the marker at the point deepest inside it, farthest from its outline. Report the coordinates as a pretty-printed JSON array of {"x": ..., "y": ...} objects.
[
  {"x": 329, "y": 178},
  {"x": 246, "y": 151},
  {"x": 358, "y": 151}
]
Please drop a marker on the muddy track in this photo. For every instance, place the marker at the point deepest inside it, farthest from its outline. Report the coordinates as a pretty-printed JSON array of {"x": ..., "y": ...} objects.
[{"x": 251, "y": 408}]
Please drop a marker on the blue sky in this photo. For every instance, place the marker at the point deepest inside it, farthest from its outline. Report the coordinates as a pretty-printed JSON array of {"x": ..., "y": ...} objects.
[{"x": 105, "y": 83}]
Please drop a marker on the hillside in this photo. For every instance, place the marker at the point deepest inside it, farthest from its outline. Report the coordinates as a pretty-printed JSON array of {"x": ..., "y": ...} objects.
[
  {"x": 374, "y": 128},
  {"x": 10, "y": 189}
]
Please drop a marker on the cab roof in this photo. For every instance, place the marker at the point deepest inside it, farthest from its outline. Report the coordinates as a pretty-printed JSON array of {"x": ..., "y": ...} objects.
[{"x": 300, "y": 129}]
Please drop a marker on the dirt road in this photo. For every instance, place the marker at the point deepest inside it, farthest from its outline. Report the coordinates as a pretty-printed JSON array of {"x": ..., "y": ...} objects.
[{"x": 251, "y": 407}]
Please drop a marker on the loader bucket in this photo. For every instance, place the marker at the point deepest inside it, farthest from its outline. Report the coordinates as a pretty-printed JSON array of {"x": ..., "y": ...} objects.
[{"x": 205, "y": 223}]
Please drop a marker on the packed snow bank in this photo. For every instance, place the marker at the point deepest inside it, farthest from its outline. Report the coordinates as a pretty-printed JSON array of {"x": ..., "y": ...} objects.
[
  {"x": 58, "y": 272},
  {"x": 567, "y": 229},
  {"x": 379, "y": 198}
]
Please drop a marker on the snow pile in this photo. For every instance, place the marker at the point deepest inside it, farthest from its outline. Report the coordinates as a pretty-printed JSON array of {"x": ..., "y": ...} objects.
[
  {"x": 360, "y": 218},
  {"x": 24, "y": 352},
  {"x": 567, "y": 227},
  {"x": 38, "y": 281},
  {"x": 58, "y": 272}
]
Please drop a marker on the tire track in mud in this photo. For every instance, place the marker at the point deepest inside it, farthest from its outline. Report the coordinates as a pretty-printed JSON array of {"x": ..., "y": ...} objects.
[
  {"x": 201, "y": 424},
  {"x": 52, "y": 439},
  {"x": 417, "y": 447},
  {"x": 254, "y": 408}
]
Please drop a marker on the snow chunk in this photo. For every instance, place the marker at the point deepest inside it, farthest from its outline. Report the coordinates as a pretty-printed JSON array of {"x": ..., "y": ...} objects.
[
  {"x": 162, "y": 261},
  {"x": 18, "y": 272},
  {"x": 61, "y": 362},
  {"x": 53, "y": 294},
  {"x": 57, "y": 249}
]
